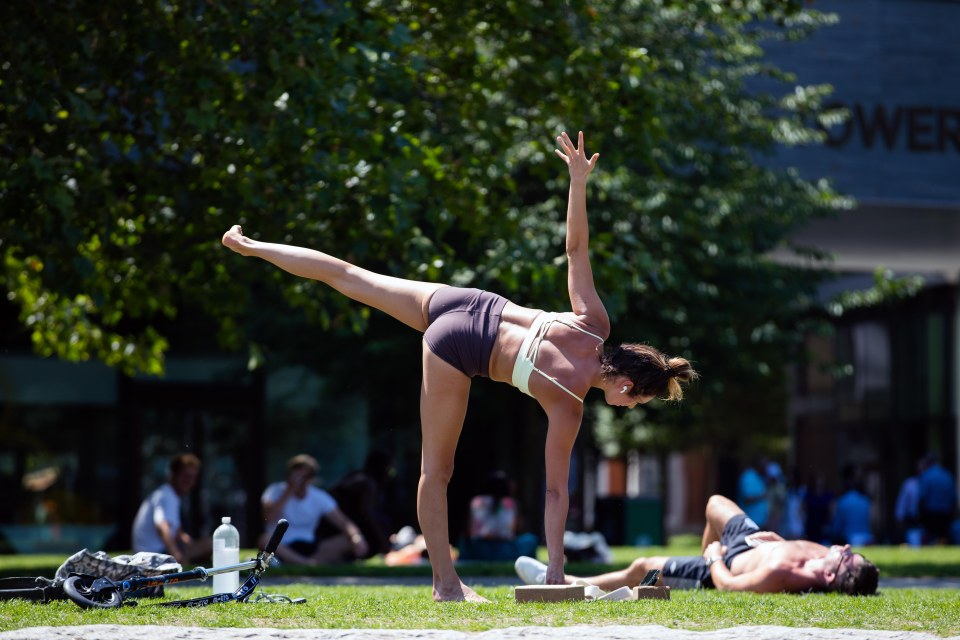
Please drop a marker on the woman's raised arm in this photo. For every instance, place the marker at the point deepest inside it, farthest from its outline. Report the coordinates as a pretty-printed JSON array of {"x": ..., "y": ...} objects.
[{"x": 584, "y": 299}]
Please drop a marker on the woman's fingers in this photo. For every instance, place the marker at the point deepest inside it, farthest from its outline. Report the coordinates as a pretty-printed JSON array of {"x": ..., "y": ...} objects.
[
  {"x": 569, "y": 147},
  {"x": 570, "y": 152}
]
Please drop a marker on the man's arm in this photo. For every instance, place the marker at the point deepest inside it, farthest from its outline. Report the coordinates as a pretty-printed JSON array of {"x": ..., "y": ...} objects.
[
  {"x": 166, "y": 520},
  {"x": 169, "y": 537},
  {"x": 763, "y": 579},
  {"x": 564, "y": 423},
  {"x": 273, "y": 509},
  {"x": 584, "y": 299},
  {"x": 339, "y": 520}
]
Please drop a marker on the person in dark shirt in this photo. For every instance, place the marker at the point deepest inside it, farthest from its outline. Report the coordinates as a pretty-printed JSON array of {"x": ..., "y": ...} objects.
[
  {"x": 360, "y": 496},
  {"x": 938, "y": 500}
]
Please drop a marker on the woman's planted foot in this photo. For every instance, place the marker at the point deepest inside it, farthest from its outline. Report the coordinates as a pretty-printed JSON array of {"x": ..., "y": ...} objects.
[
  {"x": 461, "y": 594},
  {"x": 472, "y": 596}
]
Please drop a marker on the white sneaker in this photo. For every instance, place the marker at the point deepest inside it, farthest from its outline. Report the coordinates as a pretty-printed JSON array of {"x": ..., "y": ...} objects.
[{"x": 531, "y": 570}]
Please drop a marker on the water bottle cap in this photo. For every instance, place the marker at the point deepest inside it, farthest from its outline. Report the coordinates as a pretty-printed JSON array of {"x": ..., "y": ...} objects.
[{"x": 225, "y": 519}]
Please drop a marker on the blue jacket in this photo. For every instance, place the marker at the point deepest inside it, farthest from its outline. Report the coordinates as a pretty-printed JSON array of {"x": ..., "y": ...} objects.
[
  {"x": 938, "y": 493},
  {"x": 851, "y": 519}
]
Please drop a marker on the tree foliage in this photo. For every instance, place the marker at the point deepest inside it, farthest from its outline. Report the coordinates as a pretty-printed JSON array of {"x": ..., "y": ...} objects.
[{"x": 413, "y": 138}]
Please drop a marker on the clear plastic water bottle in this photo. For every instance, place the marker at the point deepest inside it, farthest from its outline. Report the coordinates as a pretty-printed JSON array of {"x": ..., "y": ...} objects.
[{"x": 226, "y": 551}]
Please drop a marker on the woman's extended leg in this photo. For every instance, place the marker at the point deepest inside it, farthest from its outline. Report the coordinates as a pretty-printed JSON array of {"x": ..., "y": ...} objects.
[
  {"x": 405, "y": 300},
  {"x": 443, "y": 405}
]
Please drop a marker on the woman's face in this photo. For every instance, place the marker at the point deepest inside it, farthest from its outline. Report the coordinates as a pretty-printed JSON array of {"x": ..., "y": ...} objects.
[{"x": 616, "y": 397}]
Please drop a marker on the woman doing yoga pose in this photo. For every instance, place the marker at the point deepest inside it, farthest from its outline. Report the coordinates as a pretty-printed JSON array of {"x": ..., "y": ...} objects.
[{"x": 468, "y": 332}]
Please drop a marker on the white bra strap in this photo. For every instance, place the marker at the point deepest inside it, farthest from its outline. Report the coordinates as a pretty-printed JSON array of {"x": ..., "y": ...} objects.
[
  {"x": 541, "y": 333},
  {"x": 580, "y": 329},
  {"x": 558, "y": 383}
]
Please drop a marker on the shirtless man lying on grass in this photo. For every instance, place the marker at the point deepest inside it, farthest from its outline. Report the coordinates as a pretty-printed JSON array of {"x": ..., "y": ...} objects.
[{"x": 737, "y": 556}]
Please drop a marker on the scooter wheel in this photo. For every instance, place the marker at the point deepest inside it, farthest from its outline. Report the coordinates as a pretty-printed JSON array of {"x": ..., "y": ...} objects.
[{"x": 79, "y": 589}]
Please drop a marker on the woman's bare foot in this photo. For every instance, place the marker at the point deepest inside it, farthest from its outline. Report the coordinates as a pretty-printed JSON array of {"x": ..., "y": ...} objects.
[
  {"x": 463, "y": 594},
  {"x": 470, "y": 595},
  {"x": 234, "y": 239}
]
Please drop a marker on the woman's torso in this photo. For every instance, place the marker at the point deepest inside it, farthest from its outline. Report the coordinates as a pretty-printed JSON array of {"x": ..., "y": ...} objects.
[{"x": 569, "y": 355}]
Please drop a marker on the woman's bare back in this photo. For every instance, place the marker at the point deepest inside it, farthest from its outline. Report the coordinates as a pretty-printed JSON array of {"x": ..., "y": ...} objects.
[{"x": 567, "y": 354}]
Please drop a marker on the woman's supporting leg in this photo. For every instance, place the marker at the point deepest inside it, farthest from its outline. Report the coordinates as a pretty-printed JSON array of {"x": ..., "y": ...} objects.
[
  {"x": 405, "y": 300},
  {"x": 443, "y": 406}
]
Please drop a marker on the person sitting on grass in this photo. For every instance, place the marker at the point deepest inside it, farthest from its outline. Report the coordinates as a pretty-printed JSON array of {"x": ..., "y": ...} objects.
[
  {"x": 495, "y": 522},
  {"x": 738, "y": 556},
  {"x": 304, "y": 506},
  {"x": 158, "y": 528}
]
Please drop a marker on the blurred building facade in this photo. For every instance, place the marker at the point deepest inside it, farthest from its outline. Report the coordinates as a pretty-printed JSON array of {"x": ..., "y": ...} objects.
[
  {"x": 884, "y": 389},
  {"x": 83, "y": 444}
]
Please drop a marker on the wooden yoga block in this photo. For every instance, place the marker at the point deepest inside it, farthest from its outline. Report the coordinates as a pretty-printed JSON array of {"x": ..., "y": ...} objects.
[
  {"x": 556, "y": 592},
  {"x": 658, "y": 592}
]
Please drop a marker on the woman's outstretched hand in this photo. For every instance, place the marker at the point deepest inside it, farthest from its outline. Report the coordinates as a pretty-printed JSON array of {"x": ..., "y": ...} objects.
[
  {"x": 575, "y": 156},
  {"x": 234, "y": 239}
]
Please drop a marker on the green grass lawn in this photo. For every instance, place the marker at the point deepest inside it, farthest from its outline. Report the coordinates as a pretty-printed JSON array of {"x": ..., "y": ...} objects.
[
  {"x": 940, "y": 562},
  {"x": 935, "y": 611},
  {"x": 395, "y": 607}
]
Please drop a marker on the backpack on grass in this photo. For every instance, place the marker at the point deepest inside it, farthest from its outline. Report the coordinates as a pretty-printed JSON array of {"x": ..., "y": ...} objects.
[{"x": 98, "y": 565}]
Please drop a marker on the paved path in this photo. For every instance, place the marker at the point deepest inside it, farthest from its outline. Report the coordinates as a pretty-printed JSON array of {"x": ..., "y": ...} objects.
[{"x": 581, "y": 632}]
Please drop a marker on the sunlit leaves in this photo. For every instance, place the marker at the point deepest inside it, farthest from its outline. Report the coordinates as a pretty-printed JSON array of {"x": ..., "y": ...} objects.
[{"x": 414, "y": 139}]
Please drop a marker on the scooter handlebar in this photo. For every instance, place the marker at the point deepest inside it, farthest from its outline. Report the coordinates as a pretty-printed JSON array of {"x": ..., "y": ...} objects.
[{"x": 277, "y": 536}]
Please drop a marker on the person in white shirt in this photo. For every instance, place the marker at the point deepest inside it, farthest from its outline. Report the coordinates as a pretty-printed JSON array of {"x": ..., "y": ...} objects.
[
  {"x": 157, "y": 526},
  {"x": 303, "y": 506}
]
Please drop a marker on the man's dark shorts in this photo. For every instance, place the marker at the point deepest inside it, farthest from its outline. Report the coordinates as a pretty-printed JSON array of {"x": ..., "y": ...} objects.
[{"x": 691, "y": 572}]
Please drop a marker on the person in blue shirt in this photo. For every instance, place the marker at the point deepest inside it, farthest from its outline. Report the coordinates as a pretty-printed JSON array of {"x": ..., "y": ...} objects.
[
  {"x": 938, "y": 499},
  {"x": 752, "y": 494},
  {"x": 817, "y": 507},
  {"x": 907, "y": 509},
  {"x": 851, "y": 516}
]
